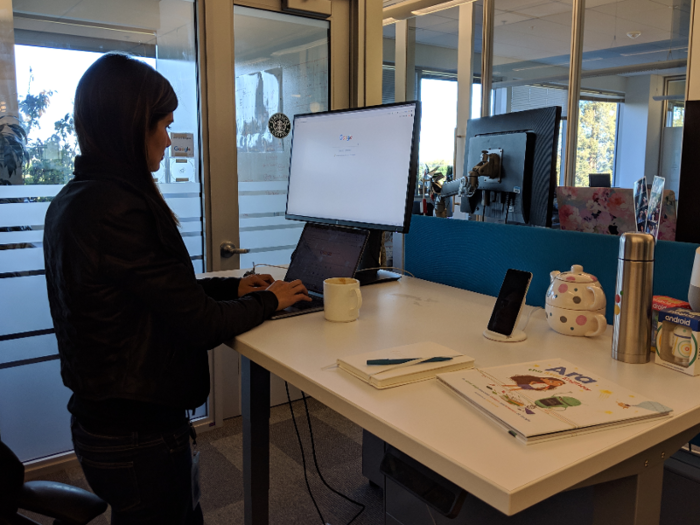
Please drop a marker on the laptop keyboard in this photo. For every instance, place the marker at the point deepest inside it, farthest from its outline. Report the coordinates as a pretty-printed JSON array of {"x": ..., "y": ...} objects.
[{"x": 315, "y": 302}]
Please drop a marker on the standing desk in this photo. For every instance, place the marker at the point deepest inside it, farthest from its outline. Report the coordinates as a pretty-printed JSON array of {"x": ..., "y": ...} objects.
[{"x": 443, "y": 433}]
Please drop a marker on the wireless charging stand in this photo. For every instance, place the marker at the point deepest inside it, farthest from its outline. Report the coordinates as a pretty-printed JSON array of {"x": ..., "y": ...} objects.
[{"x": 515, "y": 337}]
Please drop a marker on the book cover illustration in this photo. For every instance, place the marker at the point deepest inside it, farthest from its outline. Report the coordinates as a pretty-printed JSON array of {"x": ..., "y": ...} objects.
[
  {"x": 655, "y": 201},
  {"x": 641, "y": 203},
  {"x": 548, "y": 397}
]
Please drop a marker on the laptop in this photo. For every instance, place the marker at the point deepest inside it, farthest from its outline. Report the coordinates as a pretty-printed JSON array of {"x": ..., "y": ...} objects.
[
  {"x": 323, "y": 252},
  {"x": 599, "y": 180}
]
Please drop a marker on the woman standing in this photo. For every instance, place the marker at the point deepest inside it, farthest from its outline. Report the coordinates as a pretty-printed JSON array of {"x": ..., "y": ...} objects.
[{"x": 133, "y": 323}]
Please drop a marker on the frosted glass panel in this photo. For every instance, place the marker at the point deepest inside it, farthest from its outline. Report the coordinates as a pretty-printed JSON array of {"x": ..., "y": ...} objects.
[
  {"x": 194, "y": 245},
  {"x": 247, "y": 223},
  {"x": 167, "y": 189},
  {"x": 262, "y": 203},
  {"x": 281, "y": 67},
  {"x": 27, "y": 348},
  {"x": 22, "y": 191},
  {"x": 24, "y": 214},
  {"x": 24, "y": 306},
  {"x": 19, "y": 237},
  {"x": 34, "y": 420},
  {"x": 276, "y": 257},
  {"x": 185, "y": 207},
  {"x": 266, "y": 238},
  {"x": 21, "y": 260},
  {"x": 266, "y": 186},
  {"x": 190, "y": 226}
]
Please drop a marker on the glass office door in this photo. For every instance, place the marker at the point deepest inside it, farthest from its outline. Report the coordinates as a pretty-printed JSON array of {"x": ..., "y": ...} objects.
[
  {"x": 283, "y": 65},
  {"x": 281, "y": 69}
]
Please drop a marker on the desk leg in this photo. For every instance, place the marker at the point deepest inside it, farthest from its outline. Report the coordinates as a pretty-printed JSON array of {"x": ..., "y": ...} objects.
[
  {"x": 256, "y": 442},
  {"x": 633, "y": 500}
]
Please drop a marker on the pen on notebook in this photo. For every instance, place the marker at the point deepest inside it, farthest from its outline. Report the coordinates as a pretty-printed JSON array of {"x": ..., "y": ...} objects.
[{"x": 405, "y": 360}]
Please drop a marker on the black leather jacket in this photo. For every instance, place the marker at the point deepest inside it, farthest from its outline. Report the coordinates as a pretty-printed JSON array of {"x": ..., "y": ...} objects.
[{"x": 131, "y": 319}]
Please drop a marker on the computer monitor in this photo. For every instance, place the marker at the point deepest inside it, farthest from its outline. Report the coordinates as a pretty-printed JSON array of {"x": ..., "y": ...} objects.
[
  {"x": 357, "y": 168},
  {"x": 512, "y": 162}
]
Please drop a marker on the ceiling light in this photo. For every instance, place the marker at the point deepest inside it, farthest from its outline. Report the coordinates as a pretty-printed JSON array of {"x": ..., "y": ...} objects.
[
  {"x": 440, "y": 7},
  {"x": 388, "y": 21},
  {"x": 411, "y": 8},
  {"x": 634, "y": 34}
]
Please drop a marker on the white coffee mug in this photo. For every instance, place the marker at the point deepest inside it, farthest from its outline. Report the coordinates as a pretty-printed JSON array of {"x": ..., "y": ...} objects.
[{"x": 341, "y": 299}]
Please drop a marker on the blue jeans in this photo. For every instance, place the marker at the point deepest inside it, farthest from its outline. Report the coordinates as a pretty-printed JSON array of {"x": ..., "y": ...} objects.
[{"x": 144, "y": 476}]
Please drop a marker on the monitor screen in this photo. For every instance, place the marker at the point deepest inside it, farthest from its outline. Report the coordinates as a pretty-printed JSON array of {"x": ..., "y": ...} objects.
[{"x": 355, "y": 167}]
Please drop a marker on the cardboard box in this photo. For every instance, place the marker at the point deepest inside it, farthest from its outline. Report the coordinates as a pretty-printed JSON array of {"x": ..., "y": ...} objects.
[
  {"x": 662, "y": 302},
  {"x": 677, "y": 340}
]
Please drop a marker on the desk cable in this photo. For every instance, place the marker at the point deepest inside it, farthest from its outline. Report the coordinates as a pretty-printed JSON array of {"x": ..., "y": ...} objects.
[
  {"x": 252, "y": 272},
  {"x": 527, "y": 319},
  {"x": 313, "y": 450}
]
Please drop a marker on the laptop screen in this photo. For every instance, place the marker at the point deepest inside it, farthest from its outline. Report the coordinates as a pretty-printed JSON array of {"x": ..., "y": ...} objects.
[{"x": 324, "y": 252}]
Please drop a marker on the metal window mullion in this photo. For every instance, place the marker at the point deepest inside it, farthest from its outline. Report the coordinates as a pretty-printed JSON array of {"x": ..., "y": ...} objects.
[
  {"x": 572, "y": 115},
  {"x": 487, "y": 56},
  {"x": 405, "y": 62},
  {"x": 465, "y": 73}
]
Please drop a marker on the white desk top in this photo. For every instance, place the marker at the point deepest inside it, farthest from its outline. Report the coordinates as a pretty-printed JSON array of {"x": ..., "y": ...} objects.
[{"x": 434, "y": 427}]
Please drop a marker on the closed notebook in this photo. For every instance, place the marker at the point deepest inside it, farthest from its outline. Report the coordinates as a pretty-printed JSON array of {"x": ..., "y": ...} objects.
[{"x": 386, "y": 376}]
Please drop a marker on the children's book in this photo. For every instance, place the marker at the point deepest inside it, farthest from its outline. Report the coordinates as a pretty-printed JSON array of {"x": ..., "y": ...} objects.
[
  {"x": 655, "y": 202},
  {"x": 550, "y": 399},
  {"x": 401, "y": 365},
  {"x": 641, "y": 203}
]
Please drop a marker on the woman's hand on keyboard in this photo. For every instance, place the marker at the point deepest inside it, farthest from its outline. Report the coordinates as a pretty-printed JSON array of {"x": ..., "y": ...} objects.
[{"x": 289, "y": 293}]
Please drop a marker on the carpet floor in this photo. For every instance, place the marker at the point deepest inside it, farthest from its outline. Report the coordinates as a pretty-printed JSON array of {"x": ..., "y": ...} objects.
[{"x": 339, "y": 452}]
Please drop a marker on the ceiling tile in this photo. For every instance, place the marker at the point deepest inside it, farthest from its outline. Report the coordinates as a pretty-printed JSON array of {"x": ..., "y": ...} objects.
[
  {"x": 505, "y": 17},
  {"x": 544, "y": 10},
  {"x": 518, "y": 5},
  {"x": 443, "y": 40},
  {"x": 428, "y": 21},
  {"x": 451, "y": 26}
]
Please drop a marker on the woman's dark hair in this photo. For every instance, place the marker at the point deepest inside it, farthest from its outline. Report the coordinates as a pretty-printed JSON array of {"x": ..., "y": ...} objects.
[
  {"x": 119, "y": 99},
  {"x": 526, "y": 380}
]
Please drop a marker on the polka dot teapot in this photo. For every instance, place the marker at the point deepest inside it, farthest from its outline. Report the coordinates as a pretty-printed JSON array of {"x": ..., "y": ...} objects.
[{"x": 575, "y": 303}]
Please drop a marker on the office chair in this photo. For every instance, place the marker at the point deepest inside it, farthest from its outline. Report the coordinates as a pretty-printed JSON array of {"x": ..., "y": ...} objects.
[{"x": 66, "y": 504}]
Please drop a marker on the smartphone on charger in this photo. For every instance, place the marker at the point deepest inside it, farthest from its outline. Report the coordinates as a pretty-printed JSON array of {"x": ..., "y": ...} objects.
[{"x": 509, "y": 302}]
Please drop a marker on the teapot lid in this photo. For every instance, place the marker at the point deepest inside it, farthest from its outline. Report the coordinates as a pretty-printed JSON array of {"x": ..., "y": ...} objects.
[{"x": 577, "y": 275}]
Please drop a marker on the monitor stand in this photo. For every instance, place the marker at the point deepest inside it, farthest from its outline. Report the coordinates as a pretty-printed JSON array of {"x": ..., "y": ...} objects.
[{"x": 367, "y": 272}]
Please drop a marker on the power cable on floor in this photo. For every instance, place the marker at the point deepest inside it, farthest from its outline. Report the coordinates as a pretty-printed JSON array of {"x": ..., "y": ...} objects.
[{"x": 315, "y": 458}]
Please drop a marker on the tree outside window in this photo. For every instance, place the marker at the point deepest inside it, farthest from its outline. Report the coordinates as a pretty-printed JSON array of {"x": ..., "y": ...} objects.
[{"x": 596, "y": 139}]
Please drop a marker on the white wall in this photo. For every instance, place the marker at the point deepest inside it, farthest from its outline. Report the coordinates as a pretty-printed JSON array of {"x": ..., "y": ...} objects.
[
  {"x": 654, "y": 122},
  {"x": 440, "y": 58},
  {"x": 639, "y": 130}
]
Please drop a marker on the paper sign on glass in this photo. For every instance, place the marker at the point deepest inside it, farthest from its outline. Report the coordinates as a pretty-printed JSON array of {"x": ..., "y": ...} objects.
[{"x": 182, "y": 145}]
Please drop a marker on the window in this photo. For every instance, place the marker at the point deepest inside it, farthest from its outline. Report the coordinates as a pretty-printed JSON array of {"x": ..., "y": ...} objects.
[{"x": 51, "y": 52}]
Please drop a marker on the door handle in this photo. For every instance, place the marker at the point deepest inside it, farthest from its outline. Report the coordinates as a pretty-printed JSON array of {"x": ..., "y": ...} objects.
[{"x": 228, "y": 249}]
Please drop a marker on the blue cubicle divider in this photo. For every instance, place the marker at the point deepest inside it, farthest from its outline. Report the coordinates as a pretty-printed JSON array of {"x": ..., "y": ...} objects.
[{"x": 475, "y": 256}]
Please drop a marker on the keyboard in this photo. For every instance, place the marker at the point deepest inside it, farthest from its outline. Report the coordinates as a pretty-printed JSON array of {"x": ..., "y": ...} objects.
[
  {"x": 315, "y": 302},
  {"x": 302, "y": 307}
]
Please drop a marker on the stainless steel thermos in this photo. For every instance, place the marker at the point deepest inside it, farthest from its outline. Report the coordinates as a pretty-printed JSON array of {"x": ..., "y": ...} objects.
[{"x": 633, "y": 297}]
